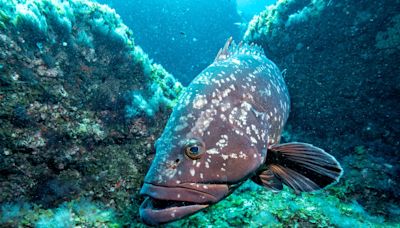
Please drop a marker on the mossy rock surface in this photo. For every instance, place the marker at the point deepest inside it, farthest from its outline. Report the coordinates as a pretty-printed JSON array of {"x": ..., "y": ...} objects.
[
  {"x": 66, "y": 69},
  {"x": 340, "y": 62}
]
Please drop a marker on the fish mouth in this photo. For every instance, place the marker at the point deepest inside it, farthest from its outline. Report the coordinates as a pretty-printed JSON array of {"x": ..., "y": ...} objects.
[
  {"x": 155, "y": 212},
  {"x": 168, "y": 203}
]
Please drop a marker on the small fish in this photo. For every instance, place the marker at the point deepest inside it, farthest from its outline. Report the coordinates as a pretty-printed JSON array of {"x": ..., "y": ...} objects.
[
  {"x": 241, "y": 25},
  {"x": 225, "y": 130}
]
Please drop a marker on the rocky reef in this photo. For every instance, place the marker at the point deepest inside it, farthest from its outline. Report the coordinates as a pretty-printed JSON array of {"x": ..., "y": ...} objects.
[
  {"x": 253, "y": 206},
  {"x": 80, "y": 107},
  {"x": 340, "y": 61}
]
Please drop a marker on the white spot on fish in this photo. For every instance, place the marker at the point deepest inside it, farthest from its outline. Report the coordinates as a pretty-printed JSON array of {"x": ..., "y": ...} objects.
[
  {"x": 192, "y": 172},
  {"x": 212, "y": 151},
  {"x": 203, "y": 121},
  {"x": 225, "y": 106},
  {"x": 242, "y": 155},
  {"x": 223, "y": 141},
  {"x": 238, "y": 132},
  {"x": 223, "y": 117},
  {"x": 181, "y": 126},
  {"x": 233, "y": 155},
  {"x": 248, "y": 130},
  {"x": 253, "y": 127},
  {"x": 246, "y": 106},
  {"x": 199, "y": 101},
  {"x": 226, "y": 92},
  {"x": 236, "y": 61}
]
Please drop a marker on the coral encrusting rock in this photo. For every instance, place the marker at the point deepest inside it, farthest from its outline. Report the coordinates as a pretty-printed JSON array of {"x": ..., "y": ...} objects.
[
  {"x": 253, "y": 206},
  {"x": 340, "y": 60},
  {"x": 69, "y": 126}
]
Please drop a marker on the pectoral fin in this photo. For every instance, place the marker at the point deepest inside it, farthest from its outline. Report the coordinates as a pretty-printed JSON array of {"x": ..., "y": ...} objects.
[
  {"x": 301, "y": 166},
  {"x": 267, "y": 179}
]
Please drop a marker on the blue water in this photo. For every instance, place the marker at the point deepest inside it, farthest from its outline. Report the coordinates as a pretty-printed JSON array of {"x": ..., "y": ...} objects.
[{"x": 185, "y": 35}]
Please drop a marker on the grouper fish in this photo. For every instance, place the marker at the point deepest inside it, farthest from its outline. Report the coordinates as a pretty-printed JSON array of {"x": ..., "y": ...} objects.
[{"x": 226, "y": 129}]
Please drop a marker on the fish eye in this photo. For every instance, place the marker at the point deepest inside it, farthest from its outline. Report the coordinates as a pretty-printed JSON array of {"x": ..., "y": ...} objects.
[{"x": 194, "y": 149}]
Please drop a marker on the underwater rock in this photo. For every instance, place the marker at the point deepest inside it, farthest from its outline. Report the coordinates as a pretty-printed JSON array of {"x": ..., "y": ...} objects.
[
  {"x": 340, "y": 62},
  {"x": 69, "y": 126}
]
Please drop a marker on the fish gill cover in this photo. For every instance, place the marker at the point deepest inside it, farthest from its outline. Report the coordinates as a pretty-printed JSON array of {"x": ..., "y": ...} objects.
[{"x": 80, "y": 107}]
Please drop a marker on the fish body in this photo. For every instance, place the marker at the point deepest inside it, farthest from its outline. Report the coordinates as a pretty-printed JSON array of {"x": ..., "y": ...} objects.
[{"x": 225, "y": 129}]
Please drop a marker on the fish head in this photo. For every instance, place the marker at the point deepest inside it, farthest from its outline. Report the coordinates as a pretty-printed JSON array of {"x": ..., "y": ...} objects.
[{"x": 200, "y": 159}]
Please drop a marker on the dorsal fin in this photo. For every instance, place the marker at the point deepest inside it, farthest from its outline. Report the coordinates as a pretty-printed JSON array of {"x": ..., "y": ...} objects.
[
  {"x": 223, "y": 52},
  {"x": 231, "y": 48}
]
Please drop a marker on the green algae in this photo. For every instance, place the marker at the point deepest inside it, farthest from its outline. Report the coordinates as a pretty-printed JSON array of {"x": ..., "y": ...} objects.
[
  {"x": 82, "y": 212},
  {"x": 254, "y": 206}
]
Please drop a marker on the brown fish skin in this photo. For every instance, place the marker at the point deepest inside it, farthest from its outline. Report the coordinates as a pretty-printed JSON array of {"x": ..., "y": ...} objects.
[{"x": 218, "y": 136}]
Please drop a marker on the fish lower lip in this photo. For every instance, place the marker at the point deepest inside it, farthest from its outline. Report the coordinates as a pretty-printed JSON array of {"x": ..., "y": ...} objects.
[
  {"x": 155, "y": 212},
  {"x": 156, "y": 204}
]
